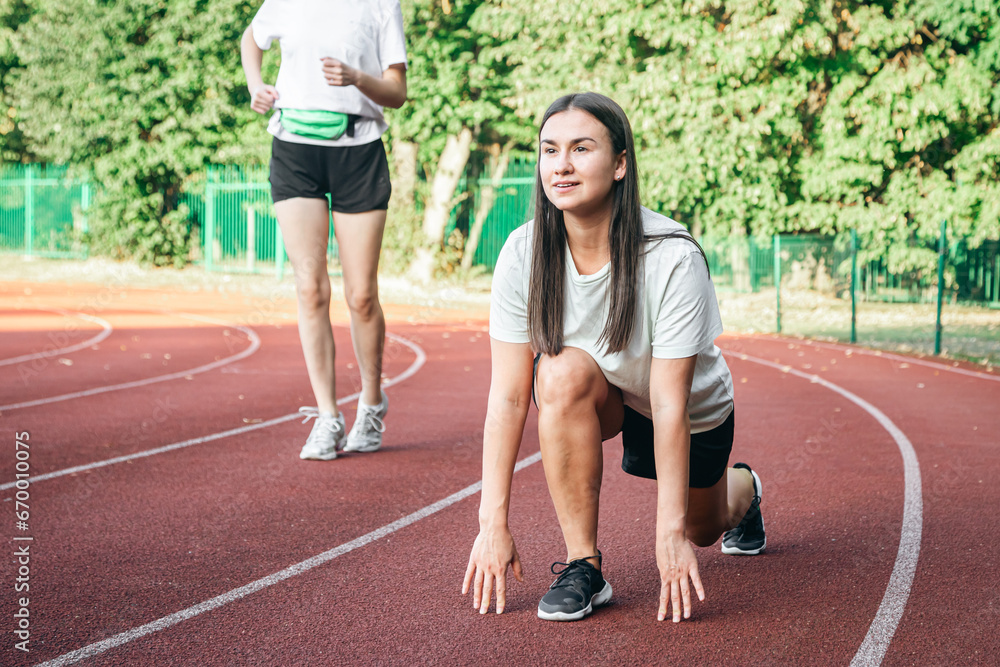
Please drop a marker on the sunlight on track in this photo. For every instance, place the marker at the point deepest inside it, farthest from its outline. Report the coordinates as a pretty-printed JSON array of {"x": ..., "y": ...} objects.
[
  {"x": 421, "y": 358},
  {"x": 247, "y": 331},
  {"x": 917, "y": 361},
  {"x": 890, "y": 611},
  {"x": 106, "y": 330}
]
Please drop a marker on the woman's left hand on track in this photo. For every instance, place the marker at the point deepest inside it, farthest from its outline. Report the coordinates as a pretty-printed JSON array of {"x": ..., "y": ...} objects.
[
  {"x": 492, "y": 553},
  {"x": 337, "y": 73},
  {"x": 677, "y": 562}
]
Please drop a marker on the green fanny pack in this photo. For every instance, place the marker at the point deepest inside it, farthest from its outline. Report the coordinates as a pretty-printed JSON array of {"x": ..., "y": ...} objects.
[{"x": 315, "y": 124}]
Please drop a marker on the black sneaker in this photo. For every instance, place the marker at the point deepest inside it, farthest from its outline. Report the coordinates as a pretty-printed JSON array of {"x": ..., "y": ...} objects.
[
  {"x": 747, "y": 539},
  {"x": 579, "y": 588}
]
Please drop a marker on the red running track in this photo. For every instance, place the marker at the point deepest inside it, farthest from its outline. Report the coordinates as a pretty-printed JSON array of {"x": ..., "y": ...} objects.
[{"x": 233, "y": 551}]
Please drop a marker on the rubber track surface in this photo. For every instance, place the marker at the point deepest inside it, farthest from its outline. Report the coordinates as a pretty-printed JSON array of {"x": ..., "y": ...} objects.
[{"x": 124, "y": 545}]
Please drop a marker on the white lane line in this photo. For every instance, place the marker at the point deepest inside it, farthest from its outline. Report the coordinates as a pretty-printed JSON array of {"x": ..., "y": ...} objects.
[
  {"x": 106, "y": 330},
  {"x": 889, "y": 355},
  {"x": 299, "y": 568},
  {"x": 247, "y": 331},
  {"x": 413, "y": 368},
  {"x": 910, "y": 360},
  {"x": 890, "y": 611}
]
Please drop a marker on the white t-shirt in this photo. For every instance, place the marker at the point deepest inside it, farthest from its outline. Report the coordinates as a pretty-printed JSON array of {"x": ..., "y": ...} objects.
[
  {"x": 365, "y": 34},
  {"x": 679, "y": 317}
]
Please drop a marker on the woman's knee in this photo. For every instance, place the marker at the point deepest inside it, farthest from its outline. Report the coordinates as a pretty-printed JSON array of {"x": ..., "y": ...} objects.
[
  {"x": 703, "y": 536},
  {"x": 568, "y": 377},
  {"x": 363, "y": 303},
  {"x": 707, "y": 514},
  {"x": 313, "y": 293}
]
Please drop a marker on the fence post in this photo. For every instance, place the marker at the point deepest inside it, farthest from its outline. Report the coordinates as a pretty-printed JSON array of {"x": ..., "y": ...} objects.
[
  {"x": 854, "y": 283},
  {"x": 29, "y": 209},
  {"x": 777, "y": 277},
  {"x": 942, "y": 251},
  {"x": 209, "y": 222},
  {"x": 251, "y": 240},
  {"x": 996, "y": 279},
  {"x": 84, "y": 206}
]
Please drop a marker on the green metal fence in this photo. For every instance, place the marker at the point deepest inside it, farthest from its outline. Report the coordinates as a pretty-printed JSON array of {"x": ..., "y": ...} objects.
[
  {"x": 43, "y": 212},
  {"x": 824, "y": 264},
  {"x": 231, "y": 206},
  {"x": 513, "y": 206}
]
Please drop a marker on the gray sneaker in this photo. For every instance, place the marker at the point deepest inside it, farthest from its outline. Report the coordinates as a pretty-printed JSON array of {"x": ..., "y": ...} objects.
[
  {"x": 327, "y": 435},
  {"x": 366, "y": 434}
]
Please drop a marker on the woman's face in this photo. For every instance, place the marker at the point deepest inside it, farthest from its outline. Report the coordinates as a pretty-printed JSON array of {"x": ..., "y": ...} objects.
[{"x": 577, "y": 163}]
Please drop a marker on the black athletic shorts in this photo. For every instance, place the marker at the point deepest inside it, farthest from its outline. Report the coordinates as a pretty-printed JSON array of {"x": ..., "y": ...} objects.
[
  {"x": 709, "y": 449},
  {"x": 355, "y": 177}
]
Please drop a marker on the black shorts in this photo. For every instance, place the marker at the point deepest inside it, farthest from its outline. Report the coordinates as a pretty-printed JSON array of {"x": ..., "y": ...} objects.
[
  {"x": 355, "y": 177},
  {"x": 709, "y": 449}
]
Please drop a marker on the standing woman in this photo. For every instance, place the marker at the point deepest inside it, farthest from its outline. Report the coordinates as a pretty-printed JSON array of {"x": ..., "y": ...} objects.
[
  {"x": 341, "y": 62},
  {"x": 604, "y": 312}
]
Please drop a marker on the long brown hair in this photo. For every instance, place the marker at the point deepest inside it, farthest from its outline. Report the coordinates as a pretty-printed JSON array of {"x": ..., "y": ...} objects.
[{"x": 546, "y": 287}]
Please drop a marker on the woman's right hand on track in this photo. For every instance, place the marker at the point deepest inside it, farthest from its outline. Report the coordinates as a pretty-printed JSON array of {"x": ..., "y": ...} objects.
[
  {"x": 262, "y": 98},
  {"x": 492, "y": 553}
]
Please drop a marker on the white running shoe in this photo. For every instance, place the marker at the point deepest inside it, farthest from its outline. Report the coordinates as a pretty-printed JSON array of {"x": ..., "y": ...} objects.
[
  {"x": 366, "y": 434},
  {"x": 327, "y": 435}
]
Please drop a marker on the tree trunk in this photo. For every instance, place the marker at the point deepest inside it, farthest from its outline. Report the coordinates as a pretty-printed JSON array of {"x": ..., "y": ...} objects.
[
  {"x": 442, "y": 200},
  {"x": 449, "y": 171},
  {"x": 487, "y": 197},
  {"x": 404, "y": 162}
]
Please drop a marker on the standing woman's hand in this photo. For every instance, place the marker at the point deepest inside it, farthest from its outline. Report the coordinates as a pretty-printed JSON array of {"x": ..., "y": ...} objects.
[
  {"x": 677, "y": 562},
  {"x": 262, "y": 98},
  {"x": 337, "y": 73},
  {"x": 492, "y": 553}
]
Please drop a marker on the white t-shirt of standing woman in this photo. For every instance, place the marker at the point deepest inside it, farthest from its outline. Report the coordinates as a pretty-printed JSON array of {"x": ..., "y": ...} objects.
[{"x": 367, "y": 35}]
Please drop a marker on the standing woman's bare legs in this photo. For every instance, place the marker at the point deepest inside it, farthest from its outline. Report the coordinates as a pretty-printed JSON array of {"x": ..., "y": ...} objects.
[
  {"x": 359, "y": 236},
  {"x": 305, "y": 227},
  {"x": 577, "y": 410}
]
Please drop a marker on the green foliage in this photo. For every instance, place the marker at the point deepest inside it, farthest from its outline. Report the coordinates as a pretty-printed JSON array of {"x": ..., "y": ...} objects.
[
  {"x": 141, "y": 93},
  {"x": 751, "y": 116},
  {"x": 13, "y": 147},
  {"x": 452, "y": 81},
  {"x": 756, "y": 117},
  {"x": 403, "y": 232}
]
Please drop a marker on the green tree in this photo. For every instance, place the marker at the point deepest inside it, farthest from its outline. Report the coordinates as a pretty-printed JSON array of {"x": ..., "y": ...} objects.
[
  {"x": 13, "y": 13},
  {"x": 783, "y": 115},
  {"x": 455, "y": 106},
  {"x": 142, "y": 94}
]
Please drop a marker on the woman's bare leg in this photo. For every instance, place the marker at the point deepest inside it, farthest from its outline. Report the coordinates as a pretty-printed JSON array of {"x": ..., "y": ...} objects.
[
  {"x": 305, "y": 228},
  {"x": 719, "y": 508},
  {"x": 577, "y": 410},
  {"x": 359, "y": 237}
]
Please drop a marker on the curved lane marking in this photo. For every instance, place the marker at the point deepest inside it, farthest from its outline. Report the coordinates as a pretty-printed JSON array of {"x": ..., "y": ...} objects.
[
  {"x": 106, "y": 330},
  {"x": 872, "y": 649},
  {"x": 254, "y": 586},
  {"x": 413, "y": 368},
  {"x": 247, "y": 331},
  {"x": 886, "y": 355},
  {"x": 890, "y": 611}
]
